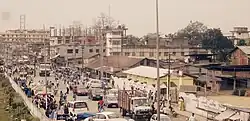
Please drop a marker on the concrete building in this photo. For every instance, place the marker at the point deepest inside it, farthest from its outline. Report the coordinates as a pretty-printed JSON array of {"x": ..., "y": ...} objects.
[
  {"x": 147, "y": 51},
  {"x": 114, "y": 40},
  {"x": 72, "y": 52},
  {"x": 240, "y": 33},
  {"x": 146, "y": 74},
  {"x": 116, "y": 44},
  {"x": 24, "y": 36}
]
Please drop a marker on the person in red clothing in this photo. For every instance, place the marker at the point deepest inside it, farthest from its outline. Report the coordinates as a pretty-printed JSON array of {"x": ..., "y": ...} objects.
[{"x": 100, "y": 105}]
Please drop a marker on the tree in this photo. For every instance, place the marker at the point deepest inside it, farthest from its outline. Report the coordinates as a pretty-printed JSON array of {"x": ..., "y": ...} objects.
[
  {"x": 242, "y": 42},
  {"x": 193, "y": 32},
  {"x": 214, "y": 40},
  {"x": 104, "y": 21}
]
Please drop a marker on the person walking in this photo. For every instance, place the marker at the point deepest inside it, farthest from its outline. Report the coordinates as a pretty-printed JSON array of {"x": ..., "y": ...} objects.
[
  {"x": 100, "y": 105},
  {"x": 191, "y": 118}
]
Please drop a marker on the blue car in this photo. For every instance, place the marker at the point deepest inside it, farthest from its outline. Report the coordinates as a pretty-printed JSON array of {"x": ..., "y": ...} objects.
[{"x": 83, "y": 116}]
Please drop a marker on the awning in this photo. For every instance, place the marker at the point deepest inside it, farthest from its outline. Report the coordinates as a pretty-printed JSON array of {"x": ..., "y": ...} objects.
[
  {"x": 235, "y": 116},
  {"x": 225, "y": 115}
]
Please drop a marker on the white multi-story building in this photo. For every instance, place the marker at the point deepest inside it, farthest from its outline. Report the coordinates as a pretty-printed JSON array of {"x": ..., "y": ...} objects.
[
  {"x": 24, "y": 35},
  {"x": 114, "y": 40},
  {"x": 240, "y": 33}
]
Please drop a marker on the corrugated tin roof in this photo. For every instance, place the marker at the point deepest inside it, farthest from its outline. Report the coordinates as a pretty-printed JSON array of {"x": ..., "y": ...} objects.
[
  {"x": 245, "y": 49},
  {"x": 146, "y": 71},
  {"x": 115, "y": 62}
]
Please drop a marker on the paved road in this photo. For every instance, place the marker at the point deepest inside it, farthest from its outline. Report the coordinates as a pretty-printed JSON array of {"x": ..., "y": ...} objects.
[
  {"x": 62, "y": 87},
  {"x": 92, "y": 104}
]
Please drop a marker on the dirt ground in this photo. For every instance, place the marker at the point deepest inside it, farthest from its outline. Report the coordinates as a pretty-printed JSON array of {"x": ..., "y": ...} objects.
[{"x": 232, "y": 100}]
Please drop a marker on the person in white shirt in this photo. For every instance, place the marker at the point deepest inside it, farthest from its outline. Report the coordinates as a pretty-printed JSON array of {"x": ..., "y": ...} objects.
[{"x": 192, "y": 118}]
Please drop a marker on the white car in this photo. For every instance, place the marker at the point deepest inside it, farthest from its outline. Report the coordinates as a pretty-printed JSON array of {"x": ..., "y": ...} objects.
[
  {"x": 94, "y": 83},
  {"x": 111, "y": 101},
  {"x": 106, "y": 116},
  {"x": 77, "y": 107},
  {"x": 113, "y": 92},
  {"x": 163, "y": 117}
]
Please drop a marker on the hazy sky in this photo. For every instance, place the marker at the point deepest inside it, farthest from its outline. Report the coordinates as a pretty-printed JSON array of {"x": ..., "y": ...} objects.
[{"x": 138, "y": 15}]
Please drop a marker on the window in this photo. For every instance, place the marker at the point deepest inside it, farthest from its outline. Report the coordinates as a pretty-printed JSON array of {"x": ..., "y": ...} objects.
[
  {"x": 182, "y": 53},
  {"x": 159, "y": 53},
  {"x": 141, "y": 53},
  {"x": 76, "y": 50},
  {"x": 116, "y": 53},
  {"x": 174, "y": 53},
  {"x": 113, "y": 116},
  {"x": 116, "y": 33},
  {"x": 59, "y": 41},
  {"x": 67, "y": 41},
  {"x": 104, "y": 50},
  {"x": 97, "y": 50},
  {"x": 116, "y": 43},
  {"x": 90, "y": 50},
  {"x": 127, "y": 53},
  {"x": 80, "y": 105},
  {"x": 101, "y": 116},
  {"x": 133, "y": 53},
  {"x": 151, "y": 54},
  {"x": 69, "y": 51},
  {"x": 165, "y": 53}
]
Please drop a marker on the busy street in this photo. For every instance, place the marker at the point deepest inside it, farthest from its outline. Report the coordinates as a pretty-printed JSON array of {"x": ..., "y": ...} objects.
[{"x": 66, "y": 87}]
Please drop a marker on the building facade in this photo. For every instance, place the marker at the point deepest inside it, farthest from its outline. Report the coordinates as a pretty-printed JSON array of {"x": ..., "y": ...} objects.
[
  {"x": 240, "y": 33},
  {"x": 116, "y": 44},
  {"x": 25, "y": 35},
  {"x": 114, "y": 40},
  {"x": 240, "y": 56}
]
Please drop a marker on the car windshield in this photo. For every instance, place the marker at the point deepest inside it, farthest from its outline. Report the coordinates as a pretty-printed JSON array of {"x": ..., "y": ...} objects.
[
  {"x": 80, "y": 105},
  {"x": 141, "y": 102},
  {"x": 112, "y": 98},
  {"x": 112, "y": 116}
]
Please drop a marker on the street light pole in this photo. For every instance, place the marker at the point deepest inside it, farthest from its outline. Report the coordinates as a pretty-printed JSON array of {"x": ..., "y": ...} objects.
[{"x": 157, "y": 60}]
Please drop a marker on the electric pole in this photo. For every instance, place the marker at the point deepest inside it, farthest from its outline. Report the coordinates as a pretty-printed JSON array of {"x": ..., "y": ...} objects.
[
  {"x": 102, "y": 38},
  {"x": 45, "y": 61},
  {"x": 157, "y": 61}
]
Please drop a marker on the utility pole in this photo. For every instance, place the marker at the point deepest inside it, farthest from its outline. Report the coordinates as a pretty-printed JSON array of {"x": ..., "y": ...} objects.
[
  {"x": 157, "y": 61},
  {"x": 82, "y": 59},
  {"x": 45, "y": 61},
  {"x": 169, "y": 74},
  {"x": 102, "y": 38}
]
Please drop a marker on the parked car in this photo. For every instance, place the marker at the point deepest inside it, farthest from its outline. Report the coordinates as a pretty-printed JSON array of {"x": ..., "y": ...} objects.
[
  {"x": 77, "y": 107},
  {"x": 106, "y": 116},
  {"x": 111, "y": 101},
  {"x": 96, "y": 93}
]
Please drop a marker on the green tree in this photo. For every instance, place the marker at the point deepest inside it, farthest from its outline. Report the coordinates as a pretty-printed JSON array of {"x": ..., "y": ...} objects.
[
  {"x": 242, "y": 42},
  {"x": 193, "y": 32},
  {"x": 214, "y": 40}
]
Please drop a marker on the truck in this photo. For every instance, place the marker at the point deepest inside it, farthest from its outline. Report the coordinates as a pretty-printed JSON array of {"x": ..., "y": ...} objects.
[
  {"x": 134, "y": 103},
  {"x": 44, "y": 69}
]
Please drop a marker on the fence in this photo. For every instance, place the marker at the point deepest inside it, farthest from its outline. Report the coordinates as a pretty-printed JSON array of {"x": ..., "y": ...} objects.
[{"x": 35, "y": 111}]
